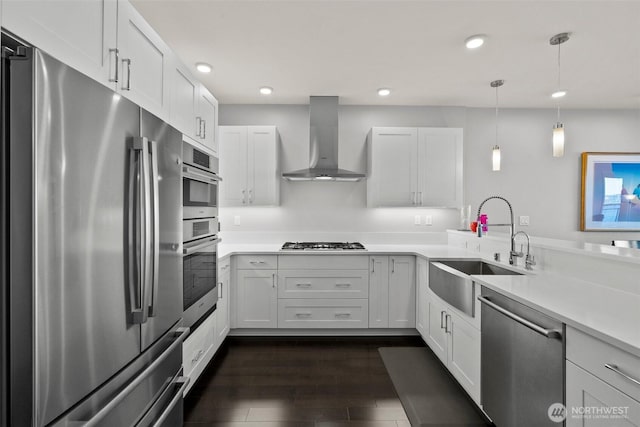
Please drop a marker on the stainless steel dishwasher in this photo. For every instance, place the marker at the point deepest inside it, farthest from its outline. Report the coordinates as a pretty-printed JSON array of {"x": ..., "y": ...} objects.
[{"x": 522, "y": 366}]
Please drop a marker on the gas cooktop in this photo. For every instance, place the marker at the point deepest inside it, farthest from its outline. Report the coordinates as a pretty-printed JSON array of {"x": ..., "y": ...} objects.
[{"x": 323, "y": 246}]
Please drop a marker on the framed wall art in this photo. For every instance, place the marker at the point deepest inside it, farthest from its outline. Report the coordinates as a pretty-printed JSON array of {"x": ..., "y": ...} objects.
[{"x": 610, "y": 192}]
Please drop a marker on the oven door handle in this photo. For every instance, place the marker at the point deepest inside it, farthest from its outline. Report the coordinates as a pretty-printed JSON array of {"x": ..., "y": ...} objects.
[
  {"x": 191, "y": 249},
  {"x": 196, "y": 175}
]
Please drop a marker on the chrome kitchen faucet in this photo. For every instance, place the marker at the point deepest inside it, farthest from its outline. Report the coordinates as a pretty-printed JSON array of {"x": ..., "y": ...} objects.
[{"x": 513, "y": 254}]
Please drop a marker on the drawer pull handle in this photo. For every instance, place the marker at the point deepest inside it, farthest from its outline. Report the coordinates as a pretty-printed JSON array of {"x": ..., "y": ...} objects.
[
  {"x": 442, "y": 319},
  {"x": 343, "y": 285},
  {"x": 615, "y": 369},
  {"x": 198, "y": 356},
  {"x": 343, "y": 315},
  {"x": 303, "y": 285},
  {"x": 257, "y": 262},
  {"x": 303, "y": 314}
]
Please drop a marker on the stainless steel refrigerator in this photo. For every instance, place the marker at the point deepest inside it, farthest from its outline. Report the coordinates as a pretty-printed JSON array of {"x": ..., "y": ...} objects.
[{"x": 91, "y": 256}]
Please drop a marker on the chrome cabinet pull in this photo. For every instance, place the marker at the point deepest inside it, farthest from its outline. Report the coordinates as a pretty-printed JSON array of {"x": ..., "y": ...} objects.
[
  {"x": 274, "y": 279},
  {"x": 617, "y": 370},
  {"x": 220, "y": 293},
  {"x": 113, "y": 53},
  {"x": 183, "y": 382},
  {"x": 373, "y": 265},
  {"x": 257, "y": 262},
  {"x": 413, "y": 198},
  {"x": 303, "y": 285},
  {"x": 122, "y": 395},
  {"x": 204, "y": 129},
  {"x": 198, "y": 126},
  {"x": 549, "y": 333},
  {"x": 303, "y": 314},
  {"x": 442, "y": 319},
  {"x": 342, "y": 315},
  {"x": 446, "y": 324},
  {"x": 128, "y": 85},
  {"x": 243, "y": 199},
  {"x": 420, "y": 193},
  {"x": 343, "y": 285},
  {"x": 393, "y": 265},
  {"x": 250, "y": 197}
]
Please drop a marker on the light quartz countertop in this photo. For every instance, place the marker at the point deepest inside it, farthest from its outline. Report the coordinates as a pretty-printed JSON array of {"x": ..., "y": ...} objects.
[{"x": 606, "y": 313}]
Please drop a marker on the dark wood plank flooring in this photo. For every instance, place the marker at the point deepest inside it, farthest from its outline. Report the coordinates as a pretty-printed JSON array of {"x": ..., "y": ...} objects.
[{"x": 298, "y": 382}]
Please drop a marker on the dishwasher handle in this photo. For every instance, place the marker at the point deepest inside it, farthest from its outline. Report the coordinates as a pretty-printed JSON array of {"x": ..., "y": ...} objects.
[{"x": 549, "y": 333}]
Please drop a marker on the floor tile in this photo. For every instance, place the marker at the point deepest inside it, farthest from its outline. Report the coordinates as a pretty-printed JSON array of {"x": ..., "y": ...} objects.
[
  {"x": 377, "y": 414},
  {"x": 297, "y": 414}
]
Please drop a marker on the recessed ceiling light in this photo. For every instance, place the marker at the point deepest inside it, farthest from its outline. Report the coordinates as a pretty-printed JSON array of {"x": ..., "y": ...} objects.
[
  {"x": 266, "y": 90},
  {"x": 384, "y": 92},
  {"x": 475, "y": 41},
  {"x": 203, "y": 68},
  {"x": 559, "y": 94}
]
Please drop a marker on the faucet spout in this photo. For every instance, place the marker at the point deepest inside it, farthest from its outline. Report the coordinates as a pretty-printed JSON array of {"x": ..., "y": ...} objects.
[{"x": 512, "y": 252}]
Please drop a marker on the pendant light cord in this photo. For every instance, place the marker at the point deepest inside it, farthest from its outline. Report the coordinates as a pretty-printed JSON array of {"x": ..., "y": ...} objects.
[
  {"x": 497, "y": 115},
  {"x": 559, "y": 44}
]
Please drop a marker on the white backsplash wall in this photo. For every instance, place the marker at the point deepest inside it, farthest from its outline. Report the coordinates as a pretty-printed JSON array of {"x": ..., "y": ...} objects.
[
  {"x": 546, "y": 189},
  {"x": 334, "y": 207}
]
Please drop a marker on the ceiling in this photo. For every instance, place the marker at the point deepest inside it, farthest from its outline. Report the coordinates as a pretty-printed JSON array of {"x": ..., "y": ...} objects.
[{"x": 416, "y": 48}]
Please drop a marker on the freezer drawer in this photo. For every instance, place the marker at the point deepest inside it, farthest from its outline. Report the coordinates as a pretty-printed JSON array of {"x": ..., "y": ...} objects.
[{"x": 148, "y": 389}]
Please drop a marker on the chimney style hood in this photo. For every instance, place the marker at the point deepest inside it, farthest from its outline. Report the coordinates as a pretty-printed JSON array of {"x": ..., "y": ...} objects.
[{"x": 323, "y": 145}]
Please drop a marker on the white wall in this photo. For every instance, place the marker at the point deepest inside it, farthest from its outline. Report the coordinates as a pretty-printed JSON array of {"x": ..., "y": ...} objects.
[{"x": 545, "y": 188}]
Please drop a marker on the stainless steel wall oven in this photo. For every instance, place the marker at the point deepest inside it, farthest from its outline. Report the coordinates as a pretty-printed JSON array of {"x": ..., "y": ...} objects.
[{"x": 200, "y": 233}]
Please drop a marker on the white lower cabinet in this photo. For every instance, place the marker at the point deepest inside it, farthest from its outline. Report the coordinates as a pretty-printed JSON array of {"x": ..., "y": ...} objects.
[
  {"x": 603, "y": 383},
  {"x": 422, "y": 304},
  {"x": 323, "y": 313},
  {"x": 257, "y": 299},
  {"x": 392, "y": 292},
  {"x": 223, "y": 306},
  {"x": 198, "y": 349},
  {"x": 592, "y": 402},
  {"x": 456, "y": 342}
]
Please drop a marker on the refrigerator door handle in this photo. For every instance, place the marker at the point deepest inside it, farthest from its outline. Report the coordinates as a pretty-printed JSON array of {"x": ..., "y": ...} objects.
[
  {"x": 138, "y": 229},
  {"x": 183, "y": 382},
  {"x": 104, "y": 411},
  {"x": 153, "y": 148},
  {"x": 142, "y": 144}
]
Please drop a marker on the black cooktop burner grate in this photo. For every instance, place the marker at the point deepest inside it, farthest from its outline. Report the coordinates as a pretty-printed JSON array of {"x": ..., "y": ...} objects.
[{"x": 319, "y": 246}]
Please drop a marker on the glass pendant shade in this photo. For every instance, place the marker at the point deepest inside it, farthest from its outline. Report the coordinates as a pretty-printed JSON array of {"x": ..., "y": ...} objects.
[
  {"x": 558, "y": 140},
  {"x": 495, "y": 157}
]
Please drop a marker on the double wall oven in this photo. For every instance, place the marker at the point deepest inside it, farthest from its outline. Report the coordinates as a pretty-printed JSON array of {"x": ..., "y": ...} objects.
[{"x": 200, "y": 233}]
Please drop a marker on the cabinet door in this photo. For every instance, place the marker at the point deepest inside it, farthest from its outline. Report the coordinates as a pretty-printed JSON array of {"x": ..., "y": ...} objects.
[
  {"x": 263, "y": 180},
  {"x": 464, "y": 354},
  {"x": 208, "y": 112},
  {"x": 79, "y": 33},
  {"x": 422, "y": 305},
  {"x": 257, "y": 299},
  {"x": 585, "y": 391},
  {"x": 402, "y": 292},
  {"x": 379, "y": 292},
  {"x": 440, "y": 167},
  {"x": 144, "y": 62},
  {"x": 436, "y": 336},
  {"x": 223, "y": 313},
  {"x": 233, "y": 165},
  {"x": 393, "y": 167},
  {"x": 184, "y": 100}
]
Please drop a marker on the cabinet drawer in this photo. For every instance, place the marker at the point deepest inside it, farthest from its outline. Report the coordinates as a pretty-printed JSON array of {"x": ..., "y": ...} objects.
[
  {"x": 340, "y": 262},
  {"x": 323, "y": 284},
  {"x": 323, "y": 313},
  {"x": 257, "y": 262},
  {"x": 198, "y": 349},
  {"x": 592, "y": 355}
]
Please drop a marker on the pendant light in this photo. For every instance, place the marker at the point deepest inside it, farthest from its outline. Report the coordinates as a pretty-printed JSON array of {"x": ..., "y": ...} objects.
[
  {"x": 558, "y": 128},
  {"x": 495, "y": 151}
]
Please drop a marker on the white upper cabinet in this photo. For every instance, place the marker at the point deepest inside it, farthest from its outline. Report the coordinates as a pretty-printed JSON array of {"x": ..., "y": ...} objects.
[
  {"x": 415, "y": 167},
  {"x": 393, "y": 167},
  {"x": 81, "y": 34},
  {"x": 184, "y": 102},
  {"x": 208, "y": 113},
  {"x": 249, "y": 166},
  {"x": 440, "y": 171},
  {"x": 144, "y": 62}
]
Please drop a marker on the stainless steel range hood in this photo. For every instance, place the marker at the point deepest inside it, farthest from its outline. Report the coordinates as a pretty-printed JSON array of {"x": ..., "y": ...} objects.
[{"x": 323, "y": 145}]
